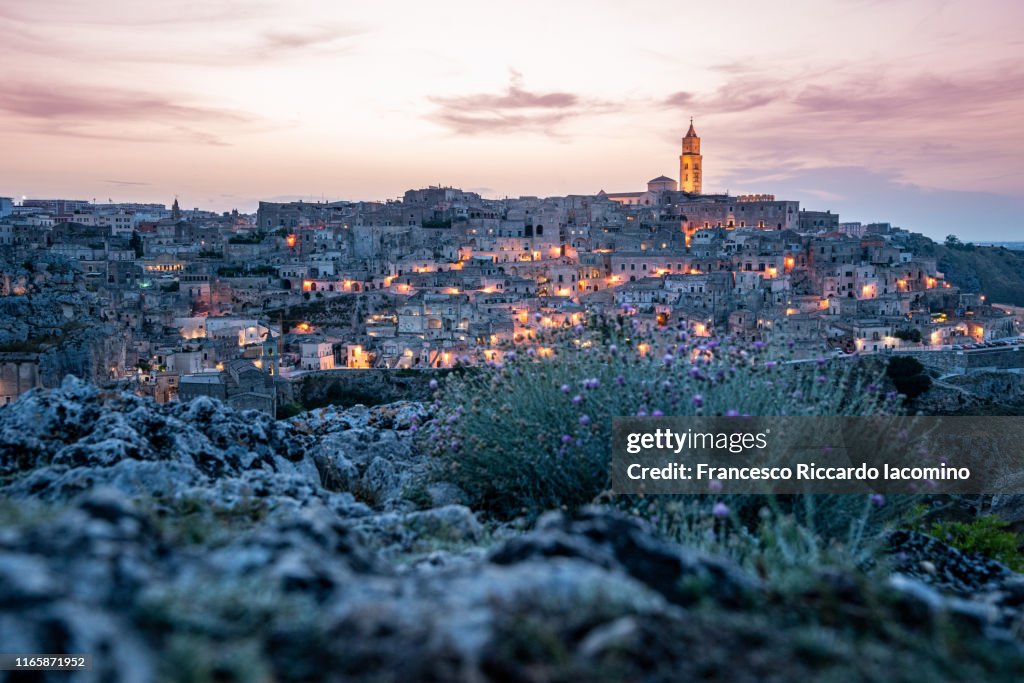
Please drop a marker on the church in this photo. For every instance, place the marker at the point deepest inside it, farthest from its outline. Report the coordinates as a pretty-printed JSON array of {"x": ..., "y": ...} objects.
[
  {"x": 690, "y": 172},
  {"x": 690, "y": 163},
  {"x": 686, "y": 200}
]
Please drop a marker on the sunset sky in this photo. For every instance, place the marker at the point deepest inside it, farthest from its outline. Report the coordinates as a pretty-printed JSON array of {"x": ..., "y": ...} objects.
[{"x": 903, "y": 110}]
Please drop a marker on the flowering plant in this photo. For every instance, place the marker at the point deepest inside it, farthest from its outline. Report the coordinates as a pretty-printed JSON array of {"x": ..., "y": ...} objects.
[{"x": 533, "y": 432}]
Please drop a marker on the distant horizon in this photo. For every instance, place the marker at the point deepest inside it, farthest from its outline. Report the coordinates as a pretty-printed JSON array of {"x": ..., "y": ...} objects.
[{"x": 904, "y": 112}]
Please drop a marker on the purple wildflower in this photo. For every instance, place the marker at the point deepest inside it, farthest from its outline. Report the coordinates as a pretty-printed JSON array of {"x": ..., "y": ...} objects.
[
  {"x": 721, "y": 510},
  {"x": 657, "y": 413},
  {"x": 584, "y": 420},
  {"x": 577, "y": 399},
  {"x": 877, "y": 499},
  {"x": 698, "y": 400}
]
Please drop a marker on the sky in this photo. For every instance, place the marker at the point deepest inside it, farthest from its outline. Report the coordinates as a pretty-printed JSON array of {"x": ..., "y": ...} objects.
[{"x": 901, "y": 110}]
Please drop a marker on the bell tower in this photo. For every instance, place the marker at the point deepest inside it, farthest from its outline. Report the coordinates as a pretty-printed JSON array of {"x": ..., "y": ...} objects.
[{"x": 690, "y": 171}]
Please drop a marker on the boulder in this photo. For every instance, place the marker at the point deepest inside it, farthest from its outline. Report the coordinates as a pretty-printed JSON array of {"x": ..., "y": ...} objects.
[{"x": 617, "y": 541}]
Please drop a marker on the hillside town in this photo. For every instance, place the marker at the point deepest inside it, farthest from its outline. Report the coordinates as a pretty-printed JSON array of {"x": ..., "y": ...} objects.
[{"x": 176, "y": 303}]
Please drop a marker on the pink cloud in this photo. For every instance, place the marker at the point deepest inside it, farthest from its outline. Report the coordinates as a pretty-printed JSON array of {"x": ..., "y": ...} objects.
[
  {"x": 514, "y": 110},
  {"x": 112, "y": 114},
  {"x": 50, "y": 101}
]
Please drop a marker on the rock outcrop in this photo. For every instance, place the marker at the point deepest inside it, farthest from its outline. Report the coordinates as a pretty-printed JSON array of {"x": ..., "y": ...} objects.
[{"x": 195, "y": 542}]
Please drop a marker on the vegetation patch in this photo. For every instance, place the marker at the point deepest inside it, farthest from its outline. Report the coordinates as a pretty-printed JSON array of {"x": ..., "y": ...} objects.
[
  {"x": 987, "y": 536},
  {"x": 533, "y": 433}
]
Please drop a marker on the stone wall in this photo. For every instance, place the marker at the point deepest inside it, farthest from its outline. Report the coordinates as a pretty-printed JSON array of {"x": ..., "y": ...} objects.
[
  {"x": 1001, "y": 358},
  {"x": 348, "y": 387}
]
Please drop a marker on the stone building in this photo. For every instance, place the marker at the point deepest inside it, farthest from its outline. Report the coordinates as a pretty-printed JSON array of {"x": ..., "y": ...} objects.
[
  {"x": 690, "y": 162},
  {"x": 19, "y": 372},
  {"x": 242, "y": 385}
]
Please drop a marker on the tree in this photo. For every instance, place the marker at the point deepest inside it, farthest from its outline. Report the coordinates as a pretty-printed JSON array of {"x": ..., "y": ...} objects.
[
  {"x": 136, "y": 244},
  {"x": 911, "y": 335},
  {"x": 953, "y": 242},
  {"x": 908, "y": 375}
]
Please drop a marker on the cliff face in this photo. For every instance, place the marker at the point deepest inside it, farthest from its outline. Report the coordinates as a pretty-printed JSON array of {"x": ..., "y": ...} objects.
[
  {"x": 1005, "y": 387},
  {"x": 195, "y": 542},
  {"x": 976, "y": 393},
  {"x": 996, "y": 272},
  {"x": 85, "y": 353},
  {"x": 68, "y": 341},
  {"x": 23, "y": 319}
]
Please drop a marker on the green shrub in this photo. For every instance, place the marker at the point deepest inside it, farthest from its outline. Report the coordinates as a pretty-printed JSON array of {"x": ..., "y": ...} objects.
[
  {"x": 987, "y": 536},
  {"x": 911, "y": 335},
  {"x": 534, "y": 433},
  {"x": 290, "y": 409},
  {"x": 253, "y": 238},
  {"x": 781, "y": 538}
]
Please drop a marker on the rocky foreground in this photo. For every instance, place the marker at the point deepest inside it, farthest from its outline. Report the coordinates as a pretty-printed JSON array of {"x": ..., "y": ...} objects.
[{"x": 192, "y": 542}]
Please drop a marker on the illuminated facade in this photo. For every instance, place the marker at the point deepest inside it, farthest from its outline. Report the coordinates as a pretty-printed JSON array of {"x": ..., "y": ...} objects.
[{"x": 690, "y": 171}]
